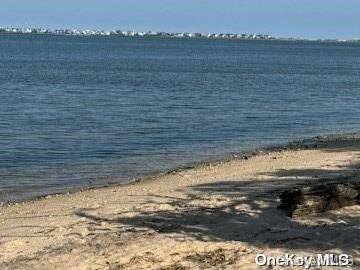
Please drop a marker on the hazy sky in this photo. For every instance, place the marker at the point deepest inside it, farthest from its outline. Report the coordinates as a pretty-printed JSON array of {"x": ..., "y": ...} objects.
[{"x": 300, "y": 18}]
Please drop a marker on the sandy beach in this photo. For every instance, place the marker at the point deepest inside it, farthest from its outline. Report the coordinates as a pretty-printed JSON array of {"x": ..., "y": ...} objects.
[{"x": 213, "y": 216}]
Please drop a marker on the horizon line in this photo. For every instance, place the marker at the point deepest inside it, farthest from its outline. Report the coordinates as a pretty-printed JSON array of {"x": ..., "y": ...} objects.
[{"x": 53, "y": 29}]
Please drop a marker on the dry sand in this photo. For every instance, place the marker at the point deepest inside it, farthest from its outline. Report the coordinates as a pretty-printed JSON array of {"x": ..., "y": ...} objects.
[{"x": 215, "y": 216}]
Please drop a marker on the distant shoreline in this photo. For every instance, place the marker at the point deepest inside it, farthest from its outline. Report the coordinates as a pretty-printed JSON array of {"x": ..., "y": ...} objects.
[{"x": 351, "y": 41}]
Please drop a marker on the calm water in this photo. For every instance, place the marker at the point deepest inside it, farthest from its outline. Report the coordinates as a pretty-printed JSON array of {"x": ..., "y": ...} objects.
[{"x": 77, "y": 111}]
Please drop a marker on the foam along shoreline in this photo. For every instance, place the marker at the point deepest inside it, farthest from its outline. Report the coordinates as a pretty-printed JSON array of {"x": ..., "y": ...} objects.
[{"x": 212, "y": 215}]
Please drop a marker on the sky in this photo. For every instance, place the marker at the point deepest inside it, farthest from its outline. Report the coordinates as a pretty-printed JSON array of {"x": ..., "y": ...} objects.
[{"x": 281, "y": 18}]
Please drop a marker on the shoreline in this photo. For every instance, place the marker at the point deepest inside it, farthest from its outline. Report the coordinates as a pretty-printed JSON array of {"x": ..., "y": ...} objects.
[
  {"x": 211, "y": 216},
  {"x": 314, "y": 142},
  {"x": 275, "y": 39}
]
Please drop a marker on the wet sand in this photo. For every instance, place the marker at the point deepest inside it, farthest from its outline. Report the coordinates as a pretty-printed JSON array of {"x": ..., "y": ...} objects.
[{"x": 213, "y": 216}]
